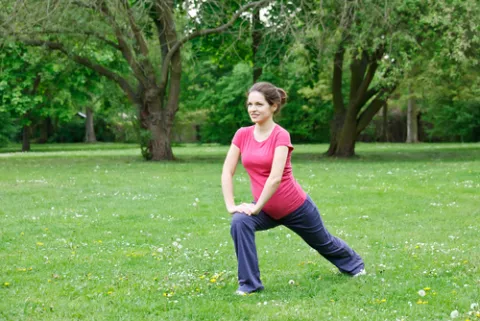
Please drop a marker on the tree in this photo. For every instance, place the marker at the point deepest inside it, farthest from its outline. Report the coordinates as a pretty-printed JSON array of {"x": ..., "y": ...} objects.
[
  {"x": 378, "y": 43},
  {"x": 146, "y": 35}
]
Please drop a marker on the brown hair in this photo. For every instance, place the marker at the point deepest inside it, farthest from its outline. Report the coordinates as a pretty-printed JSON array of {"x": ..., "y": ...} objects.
[{"x": 272, "y": 94}]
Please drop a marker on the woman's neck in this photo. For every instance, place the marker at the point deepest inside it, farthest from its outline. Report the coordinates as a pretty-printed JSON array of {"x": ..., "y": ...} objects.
[{"x": 265, "y": 127}]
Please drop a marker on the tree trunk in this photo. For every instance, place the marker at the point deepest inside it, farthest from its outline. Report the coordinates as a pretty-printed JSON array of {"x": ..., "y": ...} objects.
[
  {"x": 160, "y": 146},
  {"x": 89, "y": 127},
  {"x": 26, "y": 138},
  {"x": 348, "y": 136},
  {"x": 256, "y": 40},
  {"x": 155, "y": 133},
  {"x": 335, "y": 131},
  {"x": 385, "y": 122},
  {"x": 45, "y": 130},
  {"x": 412, "y": 122}
]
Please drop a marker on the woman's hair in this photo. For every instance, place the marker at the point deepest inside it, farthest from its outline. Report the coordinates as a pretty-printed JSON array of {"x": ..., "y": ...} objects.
[{"x": 272, "y": 94}]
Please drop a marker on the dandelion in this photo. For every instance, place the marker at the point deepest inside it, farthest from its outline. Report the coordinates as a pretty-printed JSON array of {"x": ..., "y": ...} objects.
[
  {"x": 160, "y": 250},
  {"x": 421, "y": 293},
  {"x": 6, "y": 284},
  {"x": 291, "y": 282},
  {"x": 213, "y": 280},
  {"x": 473, "y": 306},
  {"x": 39, "y": 244},
  {"x": 454, "y": 314}
]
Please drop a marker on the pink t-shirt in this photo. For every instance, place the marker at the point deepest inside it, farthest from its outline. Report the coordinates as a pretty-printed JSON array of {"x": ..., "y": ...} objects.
[{"x": 257, "y": 159}]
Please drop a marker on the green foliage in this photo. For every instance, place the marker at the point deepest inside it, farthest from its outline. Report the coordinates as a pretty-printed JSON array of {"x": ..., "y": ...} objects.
[
  {"x": 8, "y": 128},
  {"x": 453, "y": 120},
  {"x": 226, "y": 105}
]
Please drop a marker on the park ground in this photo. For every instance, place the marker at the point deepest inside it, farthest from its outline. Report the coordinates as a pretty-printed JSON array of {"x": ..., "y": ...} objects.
[{"x": 93, "y": 232}]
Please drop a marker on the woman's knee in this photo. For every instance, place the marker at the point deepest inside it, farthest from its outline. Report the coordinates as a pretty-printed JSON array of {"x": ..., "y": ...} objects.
[{"x": 240, "y": 220}]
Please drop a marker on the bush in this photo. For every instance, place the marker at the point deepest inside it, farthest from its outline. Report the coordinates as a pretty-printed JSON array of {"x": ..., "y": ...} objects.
[{"x": 8, "y": 129}]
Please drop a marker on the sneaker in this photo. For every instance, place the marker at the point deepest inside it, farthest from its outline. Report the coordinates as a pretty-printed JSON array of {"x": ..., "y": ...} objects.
[
  {"x": 359, "y": 273},
  {"x": 241, "y": 293}
]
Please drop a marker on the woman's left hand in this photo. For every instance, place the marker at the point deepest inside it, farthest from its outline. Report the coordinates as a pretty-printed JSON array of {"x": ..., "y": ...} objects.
[{"x": 252, "y": 208}]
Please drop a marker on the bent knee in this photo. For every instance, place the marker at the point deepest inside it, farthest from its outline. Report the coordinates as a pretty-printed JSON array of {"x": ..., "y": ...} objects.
[{"x": 240, "y": 220}]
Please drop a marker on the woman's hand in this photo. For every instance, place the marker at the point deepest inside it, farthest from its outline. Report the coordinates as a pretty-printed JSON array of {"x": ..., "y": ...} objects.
[{"x": 246, "y": 208}]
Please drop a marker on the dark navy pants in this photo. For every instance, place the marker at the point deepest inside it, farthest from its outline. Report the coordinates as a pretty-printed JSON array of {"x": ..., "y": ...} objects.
[{"x": 307, "y": 223}]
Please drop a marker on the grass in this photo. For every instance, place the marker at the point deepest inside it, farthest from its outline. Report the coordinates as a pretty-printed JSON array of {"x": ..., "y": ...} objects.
[{"x": 91, "y": 232}]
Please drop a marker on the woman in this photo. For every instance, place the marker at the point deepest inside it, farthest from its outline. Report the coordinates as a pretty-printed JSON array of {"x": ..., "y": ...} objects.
[{"x": 265, "y": 150}]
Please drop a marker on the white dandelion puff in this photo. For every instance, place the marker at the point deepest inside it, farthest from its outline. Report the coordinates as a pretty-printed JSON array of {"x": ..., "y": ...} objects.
[{"x": 454, "y": 314}]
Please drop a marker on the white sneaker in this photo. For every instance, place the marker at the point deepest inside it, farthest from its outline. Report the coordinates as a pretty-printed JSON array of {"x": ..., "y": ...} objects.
[
  {"x": 360, "y": 273},
  {"x": 241, "y": 293}
]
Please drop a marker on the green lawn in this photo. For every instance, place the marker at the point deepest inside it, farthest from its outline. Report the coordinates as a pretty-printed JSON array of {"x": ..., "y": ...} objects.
[{"x": 92, "y": 232}]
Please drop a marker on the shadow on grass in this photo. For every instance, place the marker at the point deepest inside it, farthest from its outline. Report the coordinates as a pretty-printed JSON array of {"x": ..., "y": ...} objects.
[
  {"x": 366, "y": 153},
  {"x": 423, "y": 153}
]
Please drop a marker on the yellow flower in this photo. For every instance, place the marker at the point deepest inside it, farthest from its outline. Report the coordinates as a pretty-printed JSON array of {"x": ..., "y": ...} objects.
[
  {"x": 6, "y": 284},
  {"x": 213, "y": 280},
  {"x": 427, "y": 288},
  {"x": 477, "y": 314},
  {"x": 383, "y": 300},
  {"x": 422, "y": 302},
  {"x": 110, "y": 292},
  {"x": 22, "y": 234},
  {"x": 39, "y": 244},
  {"x": 21, "y": 269}
]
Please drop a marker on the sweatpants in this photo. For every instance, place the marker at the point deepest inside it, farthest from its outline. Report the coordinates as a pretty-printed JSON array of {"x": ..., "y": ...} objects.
[{"x": 304, "y": 221}]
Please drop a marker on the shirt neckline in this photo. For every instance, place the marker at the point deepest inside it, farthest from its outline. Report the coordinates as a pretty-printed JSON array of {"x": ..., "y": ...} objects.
[{"x": 263, "y": 141}]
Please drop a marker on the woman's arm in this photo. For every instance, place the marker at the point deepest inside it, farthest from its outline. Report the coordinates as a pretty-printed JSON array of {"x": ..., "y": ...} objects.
[
  {"x": 274, "y": 179},
  {"x": 229, "y": 167}
]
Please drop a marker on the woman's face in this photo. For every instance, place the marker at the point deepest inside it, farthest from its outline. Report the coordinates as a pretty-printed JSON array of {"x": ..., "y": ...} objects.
[{"x": 258, "y": 108}]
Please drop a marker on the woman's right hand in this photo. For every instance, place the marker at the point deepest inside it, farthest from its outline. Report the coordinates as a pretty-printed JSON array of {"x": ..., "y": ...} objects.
[{"x": 246, "y": 208}]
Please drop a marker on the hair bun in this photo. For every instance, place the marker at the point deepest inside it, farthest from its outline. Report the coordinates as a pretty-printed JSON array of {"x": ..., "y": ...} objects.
[{"x": 283, "y": 96}]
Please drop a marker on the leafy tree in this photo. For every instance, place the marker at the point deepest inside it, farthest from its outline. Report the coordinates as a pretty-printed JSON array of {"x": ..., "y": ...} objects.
[
  {"x": 145, "y": 34},
  {"x": 379, "y": 43}
]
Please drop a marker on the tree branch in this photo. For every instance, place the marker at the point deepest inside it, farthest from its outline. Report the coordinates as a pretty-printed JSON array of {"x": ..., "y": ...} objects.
[
  {"x": 358, "y": 66},
  {"x": 135, "y": 29},
  {"x": 76, "y": 33},
  {"x": 373, "y": 108},
  {"x": 362, "y": 89},
  {"x": 124, "y": 47},
  {"x": 177, "y": 45},
  {"x": 337, "y": 79},
  {"x": 122, "y": 82}
]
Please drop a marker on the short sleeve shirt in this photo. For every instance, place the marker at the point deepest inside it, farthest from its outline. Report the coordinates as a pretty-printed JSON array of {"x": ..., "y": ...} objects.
[{"x": 257, "y": 159}]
